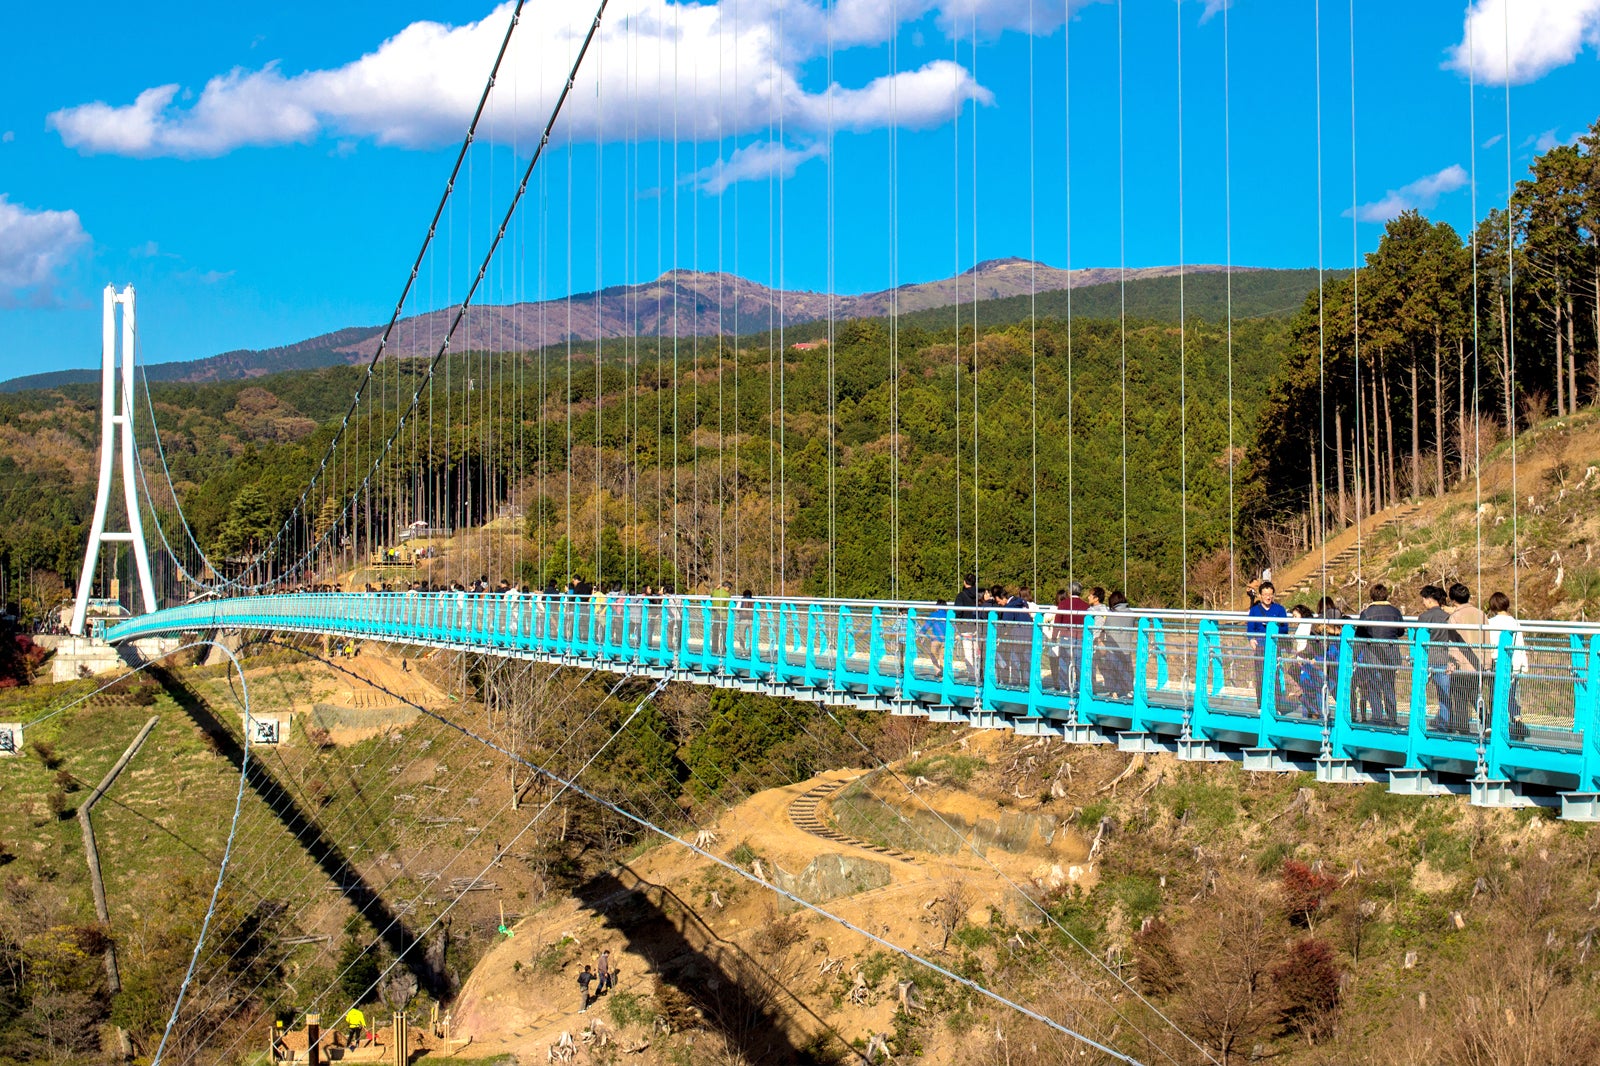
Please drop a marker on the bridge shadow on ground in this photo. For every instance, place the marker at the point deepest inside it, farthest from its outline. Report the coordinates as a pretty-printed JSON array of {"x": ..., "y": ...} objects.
[
  {"x": 732, "y": 993},
  {"x": 424, "y": 965}
]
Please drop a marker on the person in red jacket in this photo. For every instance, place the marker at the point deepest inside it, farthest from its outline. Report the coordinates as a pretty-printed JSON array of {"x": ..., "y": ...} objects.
[{"x": 1068, "y": 635}]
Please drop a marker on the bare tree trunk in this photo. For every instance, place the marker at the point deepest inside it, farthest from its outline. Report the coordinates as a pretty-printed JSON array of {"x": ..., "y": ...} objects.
[
  {"x": 1377, "y": 453},
  {"x": 1368, "y": 484},
  {"x": 1596, "y": 242},
  {"x": 1314, "y": 527},
  {"x": 1561, "y": 367},
  {"x": 1338, "y": 436},
  {"x": 1461, "y": 406},
  {"x": 1572, "y": 355},
  {"x": 1506, "y": 383},
  {"x": 1394, "y": 488},
  {"x": 1416, "y": 431},
  {"x": 1438, "y": 413}
]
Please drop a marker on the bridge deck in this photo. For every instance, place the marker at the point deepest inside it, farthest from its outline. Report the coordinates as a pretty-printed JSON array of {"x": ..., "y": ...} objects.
[{"x": 1525, "y": 726}]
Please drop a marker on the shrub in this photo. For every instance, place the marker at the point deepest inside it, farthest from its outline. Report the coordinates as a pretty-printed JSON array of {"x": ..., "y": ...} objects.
[
  {"x": 359, "y": 969},
  {"x": 1157, "y": 966},
  {"x": 1304, "y": 891},
  {"x": 45, "y": 752},
  {"x": 1307, "y": 983},
  {"x": 946, "y": 769},
  {"x": 629, "y": 1008}
]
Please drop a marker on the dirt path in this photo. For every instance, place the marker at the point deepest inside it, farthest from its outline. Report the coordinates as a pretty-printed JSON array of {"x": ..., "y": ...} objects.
[{"x": 524, "y": 995}]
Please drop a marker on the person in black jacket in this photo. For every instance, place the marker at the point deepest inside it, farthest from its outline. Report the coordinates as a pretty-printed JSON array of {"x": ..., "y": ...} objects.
[
  {"x": 966, "y": 619},
  {"x": 1378, "y": 658}
]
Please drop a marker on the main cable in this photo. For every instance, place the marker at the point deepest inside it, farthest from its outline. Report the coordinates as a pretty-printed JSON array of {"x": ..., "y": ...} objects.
[{"x": 411, "y": 279}]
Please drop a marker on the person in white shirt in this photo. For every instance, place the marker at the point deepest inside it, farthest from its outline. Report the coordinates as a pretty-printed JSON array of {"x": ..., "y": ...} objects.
[
  {"x": 1501, "y": 620},
  {"x": 512, "y": 595}
]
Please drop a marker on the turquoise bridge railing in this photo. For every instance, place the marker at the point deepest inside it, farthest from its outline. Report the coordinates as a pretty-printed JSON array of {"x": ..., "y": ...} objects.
[{"x": 1509, "y": 718}]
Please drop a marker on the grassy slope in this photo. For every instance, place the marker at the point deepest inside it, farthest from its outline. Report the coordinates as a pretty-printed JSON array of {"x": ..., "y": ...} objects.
[{"x": 161, "y": 830}]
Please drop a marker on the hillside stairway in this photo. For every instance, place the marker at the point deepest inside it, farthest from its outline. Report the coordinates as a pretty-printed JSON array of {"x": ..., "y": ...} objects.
[
  {"x": 1322, "y": 574},
  {"x": 806, "y": 815}
]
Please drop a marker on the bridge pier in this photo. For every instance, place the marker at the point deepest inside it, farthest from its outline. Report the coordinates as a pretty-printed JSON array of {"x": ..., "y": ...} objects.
[
  {"x": 1506, "y": 795},
  {"x": 1198, "y": 749},
  {"x": 1580, "y": 806},
  {"x": 1082, "y": 733},
  {"x": 1346, "y": 772},
  {"x": 1145, "y": 743},
  {"x": 1414, "y": 781},
  {"x": 1273, "y": 761}
]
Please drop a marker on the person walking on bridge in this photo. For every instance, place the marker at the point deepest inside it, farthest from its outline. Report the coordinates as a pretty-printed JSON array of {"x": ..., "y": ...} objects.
[
  {"x": 966, "y": 615},
  {"x": 719, "y": 618},
  {"x": 1433, "y": 612},
  {"x": 1121, "y": 631},
  {"x": 1470, "y": 648},
  {"x": 1016, "y": 645},
  {"x": 1510, "y": 656},
  {"x": 1260, "y": 627},
  {"x": 1067, "y": 636},
  {"x": 1379, "y": 659}
]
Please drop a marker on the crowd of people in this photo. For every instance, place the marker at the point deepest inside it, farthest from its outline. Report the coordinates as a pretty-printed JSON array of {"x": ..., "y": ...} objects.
[
  {"x": 1463, "y": 642},
  {"x": 1462, "y": 645}
]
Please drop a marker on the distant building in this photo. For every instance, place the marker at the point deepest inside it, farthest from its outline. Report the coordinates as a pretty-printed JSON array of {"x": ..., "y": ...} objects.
[{"x": 806, "y": 346}]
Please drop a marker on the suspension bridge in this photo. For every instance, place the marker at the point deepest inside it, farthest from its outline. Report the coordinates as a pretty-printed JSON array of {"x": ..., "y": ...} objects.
[{"x": 455, "y": 442}]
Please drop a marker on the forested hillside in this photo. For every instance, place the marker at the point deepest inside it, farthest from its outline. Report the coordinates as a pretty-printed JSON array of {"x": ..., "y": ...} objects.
[
  {"x": 744, "y": 437},
  {"x": 1405, "y": 375}
]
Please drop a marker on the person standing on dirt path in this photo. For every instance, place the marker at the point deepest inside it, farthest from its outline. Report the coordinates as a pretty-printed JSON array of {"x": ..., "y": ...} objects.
[
  {"x": 584, "y": 980},
  {"x": 357, "y": 1024},
  {"x": 603, "y": 972}
]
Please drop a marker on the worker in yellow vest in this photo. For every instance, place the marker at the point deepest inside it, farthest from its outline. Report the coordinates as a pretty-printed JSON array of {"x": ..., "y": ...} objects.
[{"x": 357, "y": 1023}]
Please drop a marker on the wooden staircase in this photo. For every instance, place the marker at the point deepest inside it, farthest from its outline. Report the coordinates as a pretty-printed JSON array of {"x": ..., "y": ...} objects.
[
  {"x": 805, "y": 813},
  {"x": 1322, "y": 576}
]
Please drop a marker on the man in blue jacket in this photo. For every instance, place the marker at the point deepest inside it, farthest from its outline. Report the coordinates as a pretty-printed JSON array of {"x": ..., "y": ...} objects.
[{"x": 1265, "y": 605}]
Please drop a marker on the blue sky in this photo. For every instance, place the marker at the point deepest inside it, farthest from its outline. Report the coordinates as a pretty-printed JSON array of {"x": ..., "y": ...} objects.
[{"x": 267, "y": 174}]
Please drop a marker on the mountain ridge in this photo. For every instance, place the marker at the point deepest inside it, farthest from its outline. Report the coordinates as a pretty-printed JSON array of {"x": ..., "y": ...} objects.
[{"x": 696, "y": 303}]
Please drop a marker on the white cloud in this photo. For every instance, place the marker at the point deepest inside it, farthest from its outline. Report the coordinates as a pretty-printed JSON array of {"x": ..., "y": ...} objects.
[
  {"x": 1518, "y": 41},
  {"x": 753, "y": 162},
  {"x": 1214, "y": 8},
  {"x": 34, "y": 246},
  {"x": 1420, "y": 195},
  {"x": 1551, "y": 139},
  {"x": 8, "y": 136},
  {"x": 682, "y": 70},
  {"x": 1492, "y": 141}
]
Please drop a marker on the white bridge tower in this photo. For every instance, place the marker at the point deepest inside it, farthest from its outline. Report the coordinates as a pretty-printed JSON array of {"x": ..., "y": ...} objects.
[{"x": 116, "y": 426}]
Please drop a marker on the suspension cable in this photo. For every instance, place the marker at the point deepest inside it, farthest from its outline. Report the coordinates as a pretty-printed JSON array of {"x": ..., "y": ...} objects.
[
  {"x": 405, "y": 292},
  {"x": 494, "y": 244},
  {"x": 1511, "y": 330}
]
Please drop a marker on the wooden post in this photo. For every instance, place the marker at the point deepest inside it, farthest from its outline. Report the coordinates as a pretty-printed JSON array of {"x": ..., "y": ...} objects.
[
  {"x": 96, "y": 882},
  {"x": 402, "y": 1052},
  {"x": 313, "y": 1039}
]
